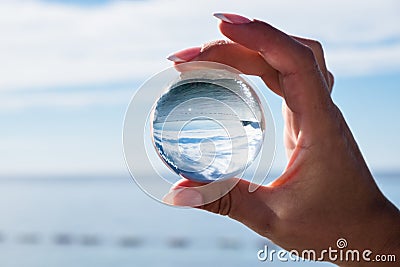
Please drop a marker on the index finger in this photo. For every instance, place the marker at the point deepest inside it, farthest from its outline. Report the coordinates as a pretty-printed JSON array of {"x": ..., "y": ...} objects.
[
  {"x": 301, "y": 79},
  {"x": 241, "y": 58}
]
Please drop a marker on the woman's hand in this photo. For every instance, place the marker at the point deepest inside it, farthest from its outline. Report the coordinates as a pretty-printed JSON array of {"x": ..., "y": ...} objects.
[{"x": 326, "y": 191}]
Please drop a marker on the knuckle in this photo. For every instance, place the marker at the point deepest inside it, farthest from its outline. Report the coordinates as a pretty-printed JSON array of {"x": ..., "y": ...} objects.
[
  {"x": 307, "y": 57},
  {"x": 225, "y": 204},
  {"x": 331, "y": 80},
  {"x": 309, "y": 53},
  {"x": 221, "y": 206},
  {"x": 212, "y": 207},
  {"x": 313, "y": 50},
  {"x": 216, "y": 43},
  {"x": 316, "y": 46}
]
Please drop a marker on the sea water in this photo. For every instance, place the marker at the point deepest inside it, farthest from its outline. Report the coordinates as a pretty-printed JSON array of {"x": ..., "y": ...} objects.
[
  {"x": 208, "y": 129},
  {"x": 49, "y": 221}
]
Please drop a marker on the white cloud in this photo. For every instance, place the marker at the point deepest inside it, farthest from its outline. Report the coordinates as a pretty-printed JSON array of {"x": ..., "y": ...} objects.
[
  {"x": 19, "y": 101},
  {"x": 44, "y": 45},
  {"x": 384, "y": 58}
]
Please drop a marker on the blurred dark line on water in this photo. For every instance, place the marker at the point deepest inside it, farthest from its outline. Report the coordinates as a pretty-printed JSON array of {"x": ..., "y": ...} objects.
[
  {"x": 63, "y": 239},
  {"x": 90, "y": 240},
  {"x": 130, "y": 242},
  {"x": 178, "y": 242},
  {"x": 229, "y": 243},
  {"x": 29, "y": 238}
]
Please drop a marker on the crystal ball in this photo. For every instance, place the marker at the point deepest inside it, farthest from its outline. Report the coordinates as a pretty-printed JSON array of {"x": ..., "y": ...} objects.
[{"x": 208, "y": 124}]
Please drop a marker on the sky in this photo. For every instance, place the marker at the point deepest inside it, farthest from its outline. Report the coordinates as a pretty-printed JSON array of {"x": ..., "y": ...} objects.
[{"x": 68, "y": 70}]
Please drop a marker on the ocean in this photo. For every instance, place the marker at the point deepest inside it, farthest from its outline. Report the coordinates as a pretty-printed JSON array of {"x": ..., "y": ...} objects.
[{"x": 109, "y": 221}]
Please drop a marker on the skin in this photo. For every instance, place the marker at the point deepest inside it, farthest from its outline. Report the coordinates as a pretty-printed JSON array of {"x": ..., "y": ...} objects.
[{"x": 326, "y": 191}]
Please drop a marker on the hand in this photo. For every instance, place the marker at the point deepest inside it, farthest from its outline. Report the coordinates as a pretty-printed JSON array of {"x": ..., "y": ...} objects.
[{"x": 326, "y": 191}]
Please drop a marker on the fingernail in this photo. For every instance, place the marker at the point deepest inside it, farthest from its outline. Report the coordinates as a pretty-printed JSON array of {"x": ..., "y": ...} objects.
[
  {"x": 184, "y": 197},
  {"x": 184, "y": 55},
  {"x": 232, "y": 18}
]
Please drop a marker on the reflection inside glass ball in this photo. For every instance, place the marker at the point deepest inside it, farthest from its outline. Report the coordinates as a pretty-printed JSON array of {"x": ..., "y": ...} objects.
[{"x": 208, "y": 125}]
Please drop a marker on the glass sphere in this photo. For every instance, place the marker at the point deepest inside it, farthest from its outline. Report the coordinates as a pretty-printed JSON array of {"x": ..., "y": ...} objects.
[{"x": 208, "y": 124}]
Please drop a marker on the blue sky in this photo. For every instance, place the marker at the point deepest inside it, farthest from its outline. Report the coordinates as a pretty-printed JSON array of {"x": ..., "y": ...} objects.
[{"x": 68, "y": 71}]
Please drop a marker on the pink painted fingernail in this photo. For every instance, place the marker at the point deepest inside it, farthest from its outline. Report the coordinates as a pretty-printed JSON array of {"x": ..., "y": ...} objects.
[
  {"x": 232, "y": 18},
  {"x": 184, "y": 55}
]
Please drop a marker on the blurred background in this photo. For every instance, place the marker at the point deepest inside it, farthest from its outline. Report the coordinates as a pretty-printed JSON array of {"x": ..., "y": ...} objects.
[{"x": 68, "y": 70}]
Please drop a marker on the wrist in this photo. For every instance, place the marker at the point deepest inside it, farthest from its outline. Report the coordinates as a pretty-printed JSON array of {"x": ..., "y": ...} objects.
[{"x": 379, "y": 234}]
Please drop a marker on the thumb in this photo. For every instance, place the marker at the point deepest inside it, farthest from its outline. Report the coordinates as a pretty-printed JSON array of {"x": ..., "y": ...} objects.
[{"x": 229, "y": 197}]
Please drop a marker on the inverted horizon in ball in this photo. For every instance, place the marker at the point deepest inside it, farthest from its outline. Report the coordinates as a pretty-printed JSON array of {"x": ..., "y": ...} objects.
[{"x": 208, "y": 125}]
